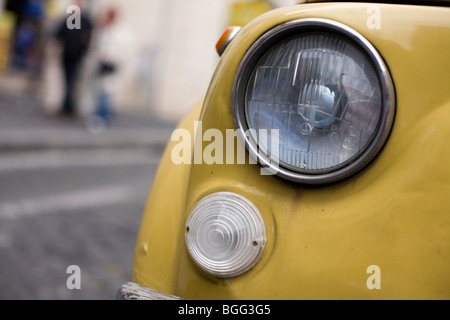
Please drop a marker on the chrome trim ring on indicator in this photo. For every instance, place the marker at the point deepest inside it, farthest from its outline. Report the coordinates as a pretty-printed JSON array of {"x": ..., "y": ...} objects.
[
  {"x": 384, "y": 112},
  {"x": 225, "y": 234}
]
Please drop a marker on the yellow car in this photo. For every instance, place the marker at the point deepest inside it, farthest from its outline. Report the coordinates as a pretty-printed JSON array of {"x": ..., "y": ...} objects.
[{"x": 316, "y": 166}]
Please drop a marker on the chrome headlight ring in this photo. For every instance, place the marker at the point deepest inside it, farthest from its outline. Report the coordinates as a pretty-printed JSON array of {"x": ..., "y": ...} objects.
[{"x": 325, "y": 88}]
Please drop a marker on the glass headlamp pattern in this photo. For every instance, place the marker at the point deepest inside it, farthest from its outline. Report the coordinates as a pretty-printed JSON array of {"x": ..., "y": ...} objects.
[{"x": 329, "y": 99}]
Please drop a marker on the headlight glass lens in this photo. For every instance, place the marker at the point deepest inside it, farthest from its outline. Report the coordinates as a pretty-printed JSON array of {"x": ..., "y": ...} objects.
[
  {"x": 225, "y": 234},
  {"x": 322, "y": 92}
]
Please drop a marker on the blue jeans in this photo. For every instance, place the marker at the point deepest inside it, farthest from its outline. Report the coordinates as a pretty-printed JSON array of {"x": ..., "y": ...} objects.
[{"x": 104, "y": 108}]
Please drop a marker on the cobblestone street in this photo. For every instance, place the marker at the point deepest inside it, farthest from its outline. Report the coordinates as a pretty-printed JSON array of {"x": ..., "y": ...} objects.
[{"x": 70, "y": 197}]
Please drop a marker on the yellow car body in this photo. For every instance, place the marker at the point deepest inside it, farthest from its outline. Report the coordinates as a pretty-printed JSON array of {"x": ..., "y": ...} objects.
[{"x": 324, "y": 241}]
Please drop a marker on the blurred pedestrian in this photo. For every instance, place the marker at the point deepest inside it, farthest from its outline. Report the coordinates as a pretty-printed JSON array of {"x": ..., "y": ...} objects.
[
  {"x": 75, "y": 43},
  {"x": 110, "y": 44},
  {"x": 25, "y": 42}
]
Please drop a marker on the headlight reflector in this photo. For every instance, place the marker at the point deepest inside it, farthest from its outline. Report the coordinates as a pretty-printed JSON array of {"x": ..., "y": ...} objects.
[
  {"x": 225, "y": 234},
  {"x": 327, "y": 92}
]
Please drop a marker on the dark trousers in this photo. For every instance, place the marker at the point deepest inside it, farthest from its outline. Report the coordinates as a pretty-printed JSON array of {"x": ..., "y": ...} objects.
[{"x": 71, "y": 70}]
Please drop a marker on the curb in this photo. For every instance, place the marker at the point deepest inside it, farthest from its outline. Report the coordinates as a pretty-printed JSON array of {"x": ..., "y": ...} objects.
[{"x": 20, "y": 140}]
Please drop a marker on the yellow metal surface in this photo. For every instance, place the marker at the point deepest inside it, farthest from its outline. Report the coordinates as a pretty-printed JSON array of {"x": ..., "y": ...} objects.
[
  {"x": 242, "y": 12},
  {"x": 395, "y": 214}
]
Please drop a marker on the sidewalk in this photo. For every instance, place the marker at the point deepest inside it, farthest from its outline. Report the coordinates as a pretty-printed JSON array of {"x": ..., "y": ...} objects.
[{"x": 25, "y": 126}]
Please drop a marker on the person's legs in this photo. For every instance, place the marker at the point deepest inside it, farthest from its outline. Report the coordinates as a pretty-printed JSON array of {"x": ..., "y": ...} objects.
[
  {"x": 98, "y": 122},
  {"x": 104, "y": 109},
  {"x": 70, "y": 70}
]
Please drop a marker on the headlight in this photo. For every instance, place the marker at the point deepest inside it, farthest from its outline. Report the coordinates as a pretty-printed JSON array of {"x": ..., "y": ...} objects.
[
  {"x": 325, "y": 89},
  {"x": 225, "y": 234}
]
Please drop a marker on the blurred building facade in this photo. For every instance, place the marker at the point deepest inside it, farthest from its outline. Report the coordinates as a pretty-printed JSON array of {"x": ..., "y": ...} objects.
[{"x": 170, "y": 56}]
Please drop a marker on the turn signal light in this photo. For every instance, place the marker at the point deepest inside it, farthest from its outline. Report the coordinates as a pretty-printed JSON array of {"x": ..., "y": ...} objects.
[{"x": 226, "y": 38}]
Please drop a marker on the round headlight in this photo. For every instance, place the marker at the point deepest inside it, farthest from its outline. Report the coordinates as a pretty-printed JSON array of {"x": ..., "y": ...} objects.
[
  {"x": 225, "y": 234},
  {"x": 326, "y": 91}
]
